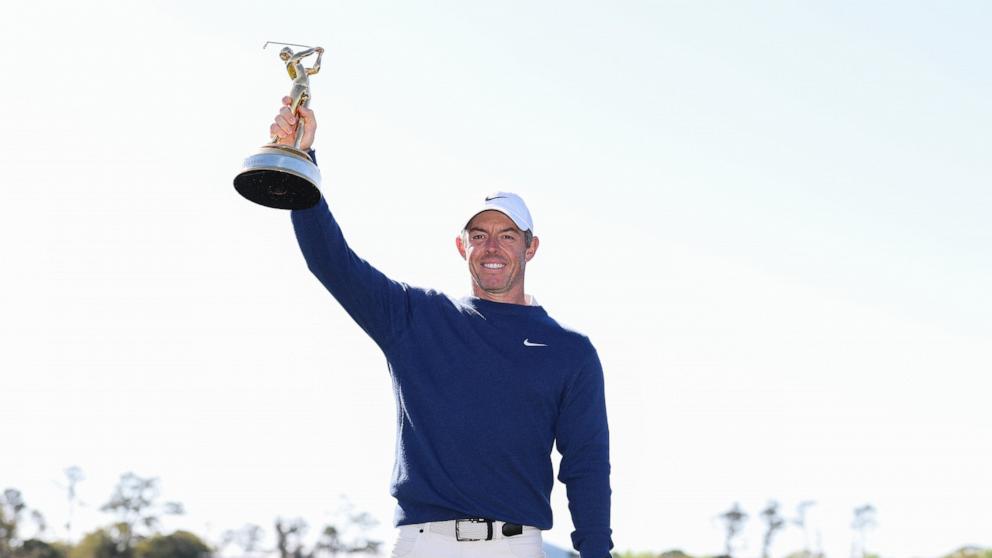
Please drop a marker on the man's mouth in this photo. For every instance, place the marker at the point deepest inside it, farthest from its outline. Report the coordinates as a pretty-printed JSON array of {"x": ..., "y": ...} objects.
[{"x": 493, "y": 265}]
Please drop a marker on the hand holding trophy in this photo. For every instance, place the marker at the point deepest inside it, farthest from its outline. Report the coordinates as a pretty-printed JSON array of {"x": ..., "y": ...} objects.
[{"x": 281, "y": 174}]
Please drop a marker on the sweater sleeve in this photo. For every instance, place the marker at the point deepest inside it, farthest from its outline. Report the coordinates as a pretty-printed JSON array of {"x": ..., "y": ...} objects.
[
  {"x": 378, "y": 304},
  {"x": 583, "y": 440}
]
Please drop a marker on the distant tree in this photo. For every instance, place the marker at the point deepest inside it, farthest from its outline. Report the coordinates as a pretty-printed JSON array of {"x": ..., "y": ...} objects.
[
  {"x": 12, "y": 511},
  {"x": 181, "y": 544},
  {"x": 348, "y": 536},
  {"x": 733, "y": 520},
  {"x": 34, "y": 548},
  {"x": 73, "y": 476},
  {"x": 134, "y": 503},
  {"x": 800, "y": 521},
  {"x": 289, "y": 538},
  {"x": 864, "y": 520},
  {"x": 12, "y": 507},
  {"x": 674, "y": 554},
  {"x": 971, "y": 552},
  {"x": 99, "y": 544},
  {"x": 329, "y": 542},
  {"x": 39, "y": 523},
  {"x": 248, "y": 538},
  {"x": 773, "y": 523}
]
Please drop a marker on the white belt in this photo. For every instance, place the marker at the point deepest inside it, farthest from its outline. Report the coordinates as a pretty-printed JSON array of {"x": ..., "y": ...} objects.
[{"x": 475, "y": 529}]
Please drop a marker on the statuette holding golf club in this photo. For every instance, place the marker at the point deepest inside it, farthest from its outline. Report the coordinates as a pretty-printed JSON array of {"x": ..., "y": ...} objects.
[{"x": 284, "y": 176}]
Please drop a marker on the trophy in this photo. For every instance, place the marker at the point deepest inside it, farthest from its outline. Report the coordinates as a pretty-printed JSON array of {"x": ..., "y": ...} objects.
[{"x": 283, "y": 176}]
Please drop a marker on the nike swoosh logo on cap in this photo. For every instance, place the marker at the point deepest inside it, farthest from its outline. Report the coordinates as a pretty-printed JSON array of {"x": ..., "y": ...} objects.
[
  {"x": 496, "y": 198},
  {"x": 527, "y": 343}
]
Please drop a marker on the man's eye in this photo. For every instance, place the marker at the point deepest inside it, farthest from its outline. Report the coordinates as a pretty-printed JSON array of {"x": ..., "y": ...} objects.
[
  {"x": 509, "y": 237},
  {"x": 477, "y": 237}
]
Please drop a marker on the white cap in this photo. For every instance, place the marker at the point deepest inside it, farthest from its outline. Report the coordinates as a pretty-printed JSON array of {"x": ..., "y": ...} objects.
[{"x": 508, "y": 204}]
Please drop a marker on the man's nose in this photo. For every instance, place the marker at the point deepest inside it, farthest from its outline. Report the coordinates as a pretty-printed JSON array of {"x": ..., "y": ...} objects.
[{"x": 491, "y": 244}]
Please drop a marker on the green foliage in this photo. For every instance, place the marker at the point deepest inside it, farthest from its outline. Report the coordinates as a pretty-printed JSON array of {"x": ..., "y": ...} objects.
[
  {"x": 99, "y": 544},
  {"x": 34, "y": 548},
  {"x": 8, "y": 530},
  {"x": 134, "y": 503},
  {"x": 350, "y": 536},
  {"x": 971, "y": 552},
  {"x": 12, "y": 510},
  {"x": 181, "y": 544},
  {"x": 11, "y": 507},
  {"x": 667, "y": 554}
]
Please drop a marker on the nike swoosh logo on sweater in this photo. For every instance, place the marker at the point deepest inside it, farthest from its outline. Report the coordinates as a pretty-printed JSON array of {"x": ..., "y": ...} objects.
[{"x": 527, "y": 343}]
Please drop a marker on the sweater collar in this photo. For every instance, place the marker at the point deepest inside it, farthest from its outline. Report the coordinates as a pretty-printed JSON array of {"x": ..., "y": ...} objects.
[{"x": 531, "y": 308}]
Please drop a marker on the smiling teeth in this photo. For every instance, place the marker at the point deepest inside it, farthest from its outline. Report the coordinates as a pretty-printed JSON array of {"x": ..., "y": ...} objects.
[{"x": 493, "y": 266}]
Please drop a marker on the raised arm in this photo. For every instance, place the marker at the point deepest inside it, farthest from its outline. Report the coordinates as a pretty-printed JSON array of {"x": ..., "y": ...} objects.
[
  {"x": 378, "y": 304},
  {"x": 316, "y": 65},
  {"x": 304, "y": 53}
]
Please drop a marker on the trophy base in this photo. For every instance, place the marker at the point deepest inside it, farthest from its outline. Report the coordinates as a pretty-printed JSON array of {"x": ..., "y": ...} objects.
[{"x": 279, "y": 176}]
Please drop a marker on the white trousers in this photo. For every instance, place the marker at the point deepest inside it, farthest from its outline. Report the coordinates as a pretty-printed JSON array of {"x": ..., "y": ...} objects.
[{"x": 419, "y": 541}]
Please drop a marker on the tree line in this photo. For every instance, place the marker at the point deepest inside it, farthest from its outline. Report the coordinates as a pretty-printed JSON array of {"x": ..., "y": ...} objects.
[
  {"x": 137, "y": 513},
  {"x": 864, "y": 519},
  {"x": 135, "y": 531},
  {"x": 774, "y": 522}
]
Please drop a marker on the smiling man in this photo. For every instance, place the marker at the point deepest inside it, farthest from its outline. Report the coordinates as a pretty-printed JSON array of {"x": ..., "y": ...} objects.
[
  {"x": 497, "y": 243},
  {"x": 485, "y": 387}
]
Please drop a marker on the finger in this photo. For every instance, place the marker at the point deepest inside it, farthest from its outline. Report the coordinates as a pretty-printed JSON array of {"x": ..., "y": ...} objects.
[
  {"x": 287, "y": 100},
  {"x": 286, "y": 127},
  {"x": 276, "y": 131},
  {"x": 288, "y": 115},
  {"x": 309, "y": 125},
  {"x": 309, "y": 120}
]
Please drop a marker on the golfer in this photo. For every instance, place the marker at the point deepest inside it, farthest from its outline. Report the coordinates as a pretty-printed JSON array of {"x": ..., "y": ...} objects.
[{"x": 485, "y": 386}]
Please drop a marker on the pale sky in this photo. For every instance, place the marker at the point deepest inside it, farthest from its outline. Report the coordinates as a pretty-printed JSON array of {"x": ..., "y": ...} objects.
[{"x": 771, "y": 218}]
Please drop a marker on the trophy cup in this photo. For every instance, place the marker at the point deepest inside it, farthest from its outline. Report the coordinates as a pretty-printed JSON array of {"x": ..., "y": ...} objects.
[{"x": 283, "y": 176}]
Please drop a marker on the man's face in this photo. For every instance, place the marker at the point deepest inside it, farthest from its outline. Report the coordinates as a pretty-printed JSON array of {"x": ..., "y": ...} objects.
[{"x": 497, "y": 255}]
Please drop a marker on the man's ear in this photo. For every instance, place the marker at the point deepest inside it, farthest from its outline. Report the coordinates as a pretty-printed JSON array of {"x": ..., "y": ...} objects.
[
  {"x": 461, "y": 247},
  {"x": 532, "y": 249}
]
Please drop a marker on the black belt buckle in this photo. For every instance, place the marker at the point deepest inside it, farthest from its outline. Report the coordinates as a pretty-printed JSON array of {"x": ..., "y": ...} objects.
[{"x": 488, "y": 522}]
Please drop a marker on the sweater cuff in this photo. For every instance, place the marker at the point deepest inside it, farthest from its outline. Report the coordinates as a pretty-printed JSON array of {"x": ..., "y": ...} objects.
[
  {"x": 598, "y": 552},
  {"x": 596, "y": 548}
]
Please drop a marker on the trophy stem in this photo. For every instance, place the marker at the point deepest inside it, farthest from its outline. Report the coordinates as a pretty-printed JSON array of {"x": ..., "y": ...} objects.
[{"x": 304, "y": 101}]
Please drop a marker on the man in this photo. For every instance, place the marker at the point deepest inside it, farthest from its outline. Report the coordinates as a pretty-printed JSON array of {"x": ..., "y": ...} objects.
[{"x": 484, "y": 386}]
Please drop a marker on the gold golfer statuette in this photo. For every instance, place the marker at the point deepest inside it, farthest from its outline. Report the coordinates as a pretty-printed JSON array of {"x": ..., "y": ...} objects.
[{"x": 283, "y": 176}]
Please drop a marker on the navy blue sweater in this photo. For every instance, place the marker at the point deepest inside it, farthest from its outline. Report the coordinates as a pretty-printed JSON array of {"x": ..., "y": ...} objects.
[{"x": 483, "y": 391}]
